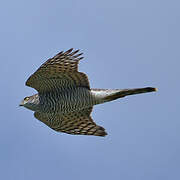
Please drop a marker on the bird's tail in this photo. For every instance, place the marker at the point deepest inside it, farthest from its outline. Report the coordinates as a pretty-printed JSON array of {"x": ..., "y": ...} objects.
[{"x": 105, "y": 95}]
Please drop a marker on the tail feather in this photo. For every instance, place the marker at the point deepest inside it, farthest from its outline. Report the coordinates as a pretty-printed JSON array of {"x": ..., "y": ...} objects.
[
  {"x": 127, "y": 92},
  {"x": 105, "y": 95}
]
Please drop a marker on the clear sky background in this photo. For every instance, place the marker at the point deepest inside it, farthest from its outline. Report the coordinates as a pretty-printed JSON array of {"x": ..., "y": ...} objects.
[{"x": 126, "y": 44}]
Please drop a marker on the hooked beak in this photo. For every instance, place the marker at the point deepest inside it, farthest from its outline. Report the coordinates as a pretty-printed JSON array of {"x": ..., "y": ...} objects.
[{"x": 21, "y": 104}]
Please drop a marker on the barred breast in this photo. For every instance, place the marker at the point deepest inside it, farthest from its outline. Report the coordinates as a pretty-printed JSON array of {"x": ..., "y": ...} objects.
[{"x": 65, "y": 101}]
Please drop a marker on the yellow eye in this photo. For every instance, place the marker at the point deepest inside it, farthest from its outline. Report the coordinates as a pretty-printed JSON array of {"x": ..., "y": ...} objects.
[{"x": 26, "y": 98}]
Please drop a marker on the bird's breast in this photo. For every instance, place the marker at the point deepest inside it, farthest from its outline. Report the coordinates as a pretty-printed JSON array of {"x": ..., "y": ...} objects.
[{"x": 65, "y": 101}]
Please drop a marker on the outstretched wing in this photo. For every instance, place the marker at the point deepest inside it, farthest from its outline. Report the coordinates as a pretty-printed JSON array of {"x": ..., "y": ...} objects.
[
  {"x": 60, "y": 72},
  {"x": 77, "y": 123}
]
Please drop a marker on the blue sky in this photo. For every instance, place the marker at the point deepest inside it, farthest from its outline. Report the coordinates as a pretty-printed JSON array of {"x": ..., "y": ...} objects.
[{"x": 126, "y": 44}]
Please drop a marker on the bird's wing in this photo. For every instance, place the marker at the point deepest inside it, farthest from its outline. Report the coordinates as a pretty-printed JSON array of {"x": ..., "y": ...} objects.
[
  {"x": 77, "y": 123},
  {"x": 61, "y": 71}
]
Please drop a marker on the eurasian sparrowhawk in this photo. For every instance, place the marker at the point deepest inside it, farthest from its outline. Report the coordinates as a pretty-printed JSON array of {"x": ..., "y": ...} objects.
[{"x": 65, "y": 100}]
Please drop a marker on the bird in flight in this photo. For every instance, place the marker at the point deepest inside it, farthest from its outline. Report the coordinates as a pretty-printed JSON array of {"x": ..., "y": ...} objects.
[{"x": 64, "y": 101}]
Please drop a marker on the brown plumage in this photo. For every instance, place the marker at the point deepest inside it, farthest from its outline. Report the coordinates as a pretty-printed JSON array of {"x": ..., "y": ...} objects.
[{"x": 64, "y": 101}]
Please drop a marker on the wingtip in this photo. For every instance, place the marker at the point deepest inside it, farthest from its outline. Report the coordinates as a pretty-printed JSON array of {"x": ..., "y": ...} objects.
[
  {"x": 100, "y": 132},
  {"x": 68, "y": 51},
  {"x": 105, "y": 134}
]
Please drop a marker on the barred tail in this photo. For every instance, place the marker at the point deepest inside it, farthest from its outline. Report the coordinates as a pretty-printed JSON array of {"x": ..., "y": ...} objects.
[
  {"x": 127, "y": 92},
  {"x": 105, "y": 95}
]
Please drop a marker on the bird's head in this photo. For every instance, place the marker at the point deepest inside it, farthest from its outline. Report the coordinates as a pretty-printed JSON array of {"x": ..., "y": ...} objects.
[{"x": 30, "y": 102}]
